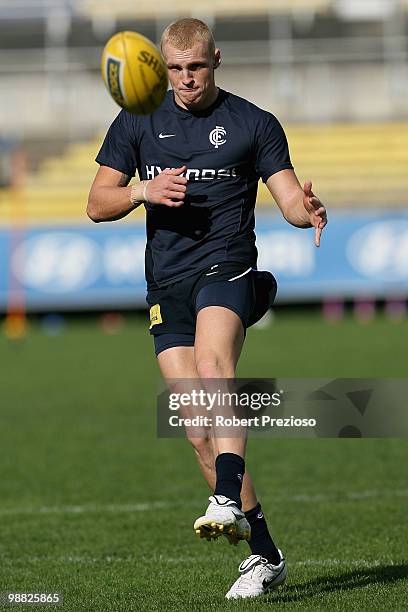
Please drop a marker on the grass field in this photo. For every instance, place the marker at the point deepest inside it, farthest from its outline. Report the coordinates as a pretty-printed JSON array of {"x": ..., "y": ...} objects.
[{"x": 93, "y": 505}]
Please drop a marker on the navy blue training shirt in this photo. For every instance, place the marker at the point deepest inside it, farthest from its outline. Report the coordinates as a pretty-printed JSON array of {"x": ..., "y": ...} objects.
[{"x": 226, "y": 149}]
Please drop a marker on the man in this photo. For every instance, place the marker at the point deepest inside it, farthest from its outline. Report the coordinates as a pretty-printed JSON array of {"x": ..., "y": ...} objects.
[{"x": 199, "y": 157}]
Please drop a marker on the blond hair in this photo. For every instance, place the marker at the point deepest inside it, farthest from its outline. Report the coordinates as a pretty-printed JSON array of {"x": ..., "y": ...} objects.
[{"x": 185, "y": 33}]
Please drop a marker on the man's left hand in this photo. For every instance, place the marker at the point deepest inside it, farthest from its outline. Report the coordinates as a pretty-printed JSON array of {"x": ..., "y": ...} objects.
[{"x": 315, "y": 209}]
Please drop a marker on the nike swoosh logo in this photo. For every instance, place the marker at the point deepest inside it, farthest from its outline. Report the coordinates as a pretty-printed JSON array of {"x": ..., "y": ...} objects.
[
  {"x": 165, "y": 135},
  {"x": 266, "y": 583}
]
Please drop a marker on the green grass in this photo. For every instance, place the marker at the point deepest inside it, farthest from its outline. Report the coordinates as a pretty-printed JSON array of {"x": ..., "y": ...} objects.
[{"x": 81, "y": 464}]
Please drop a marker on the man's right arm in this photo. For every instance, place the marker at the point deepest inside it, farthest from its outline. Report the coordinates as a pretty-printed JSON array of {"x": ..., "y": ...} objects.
[{"x": 112, "y": 198}]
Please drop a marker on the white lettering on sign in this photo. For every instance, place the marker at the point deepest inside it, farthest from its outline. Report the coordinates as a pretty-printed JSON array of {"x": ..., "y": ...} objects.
[
  {"x": 124, "y": 260},
  {"x": 380, "y": 250},
  {"x": 57, "y": 262},
  {"x": 286, "y": 252}
]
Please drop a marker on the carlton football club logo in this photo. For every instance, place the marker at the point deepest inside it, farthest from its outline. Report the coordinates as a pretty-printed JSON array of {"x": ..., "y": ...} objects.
[{"x": 216, "y": 136}]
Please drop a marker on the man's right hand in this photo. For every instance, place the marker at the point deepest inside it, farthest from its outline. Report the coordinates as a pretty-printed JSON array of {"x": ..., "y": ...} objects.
[{"x": 168, "y": 188}]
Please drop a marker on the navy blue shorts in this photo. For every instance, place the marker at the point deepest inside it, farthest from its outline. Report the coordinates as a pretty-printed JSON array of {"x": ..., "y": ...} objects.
[{"x": 173, "y": 309}]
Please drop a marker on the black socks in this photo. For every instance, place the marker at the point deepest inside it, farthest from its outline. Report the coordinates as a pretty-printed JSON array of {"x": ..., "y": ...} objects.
[
  {"x": 261, "y": 542},
  {"x": 230, "y": 469}
]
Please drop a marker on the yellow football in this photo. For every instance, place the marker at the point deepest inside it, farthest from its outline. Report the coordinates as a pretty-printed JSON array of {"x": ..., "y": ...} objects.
[{"x": 134, "y": 72}]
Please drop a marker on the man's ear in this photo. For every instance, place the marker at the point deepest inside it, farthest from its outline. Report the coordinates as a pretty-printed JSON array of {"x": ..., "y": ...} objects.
[{"x": 217, "y": 58}]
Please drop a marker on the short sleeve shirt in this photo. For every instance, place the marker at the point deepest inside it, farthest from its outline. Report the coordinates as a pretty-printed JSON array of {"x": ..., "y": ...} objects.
[{"x": 226, "y": 149}]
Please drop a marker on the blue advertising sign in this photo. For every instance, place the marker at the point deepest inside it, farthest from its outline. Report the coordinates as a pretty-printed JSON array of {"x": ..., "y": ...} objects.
[{"x": 97, "y": 266}]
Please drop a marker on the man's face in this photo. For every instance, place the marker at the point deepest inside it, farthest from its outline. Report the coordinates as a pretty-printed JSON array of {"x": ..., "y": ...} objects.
[{"x": 191, "y": 74}]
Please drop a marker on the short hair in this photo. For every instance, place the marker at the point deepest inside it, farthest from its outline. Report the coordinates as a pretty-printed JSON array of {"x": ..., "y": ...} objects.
[{"x": 185, "y": 33}]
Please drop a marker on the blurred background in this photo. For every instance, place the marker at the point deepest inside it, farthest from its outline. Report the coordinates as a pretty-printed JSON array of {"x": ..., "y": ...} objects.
[
  {"x": 80, "y": 459},
  {"x": 335, "y": 72}
]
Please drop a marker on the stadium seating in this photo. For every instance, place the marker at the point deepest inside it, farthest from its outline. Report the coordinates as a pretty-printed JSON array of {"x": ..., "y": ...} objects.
[
  {"x": 163, "y": 9},
  {"x": 351, "y": 165}
]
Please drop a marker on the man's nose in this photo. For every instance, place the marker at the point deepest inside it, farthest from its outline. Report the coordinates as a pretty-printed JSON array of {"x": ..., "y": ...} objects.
[{"x": 187, "y": 75}]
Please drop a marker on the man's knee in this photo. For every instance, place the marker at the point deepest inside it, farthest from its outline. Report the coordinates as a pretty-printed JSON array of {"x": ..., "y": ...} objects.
[{"x": 210, "y": 365}]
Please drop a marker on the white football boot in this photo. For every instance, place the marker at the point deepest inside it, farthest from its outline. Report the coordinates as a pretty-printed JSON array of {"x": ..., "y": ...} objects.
[
  {"x": 223, "y": 517},
  {"x": 258, "y": 575}
]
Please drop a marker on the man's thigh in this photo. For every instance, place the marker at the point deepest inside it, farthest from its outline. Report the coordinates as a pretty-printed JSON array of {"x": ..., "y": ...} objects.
[
  {"x": 178, "y": 368},
  {"x": 219, "y": 337},
  {"x": 177, "y": 362}
]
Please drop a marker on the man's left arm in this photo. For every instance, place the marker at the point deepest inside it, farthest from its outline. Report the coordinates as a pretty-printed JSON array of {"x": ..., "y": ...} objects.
[{"x": 300, "y": 207}]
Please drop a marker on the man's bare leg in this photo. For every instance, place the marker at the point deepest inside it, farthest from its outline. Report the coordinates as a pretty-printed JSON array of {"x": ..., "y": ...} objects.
[
  {"x": 179, "y": 363},
  {"x": 218, "y": 344}
]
